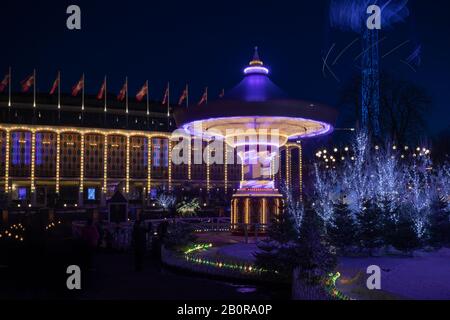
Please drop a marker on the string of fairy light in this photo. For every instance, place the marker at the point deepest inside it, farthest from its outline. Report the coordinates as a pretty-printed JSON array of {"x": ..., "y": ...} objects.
[
  {"x": 190, "y": 256},
  {"x": 330, "y": 158},
  {"x": 105, "y": 164},
  {"x": 170, "y": 166},
  {"x": 288, "y": 168},
  {"x": 127, "y": 167},
  {"x": 106, "y": 133},
  {"x": 225, "y": 169},
  {"x": 82, "y": 132},
  {"x": 82, "y": 164},
  {"x": 58, "y": 160},
  {"x": 190, "y": 161},
  {"x": 208, "y": 169},
  {"x": 15, "y": 232},
  {"x": 33, "y": 158},
  {"x": 300, "y": 171},
  {"x": 149, "y": 165},
  {"x": 8, "y": 142},
  {"x": 52, "y": 225}
]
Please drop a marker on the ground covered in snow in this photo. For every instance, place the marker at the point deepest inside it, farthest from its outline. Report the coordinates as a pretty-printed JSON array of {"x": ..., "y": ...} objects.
[{"x": 426, "y": 275}]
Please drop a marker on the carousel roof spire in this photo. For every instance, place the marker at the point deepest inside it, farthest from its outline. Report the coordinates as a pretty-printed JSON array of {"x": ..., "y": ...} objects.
[
  {"x": 256, "y": 55},
  {"x": 256, "y": 66},
  {"x": 256, "y": 60}
]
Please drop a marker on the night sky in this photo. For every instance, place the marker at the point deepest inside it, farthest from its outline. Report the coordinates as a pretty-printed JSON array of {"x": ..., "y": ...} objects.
[{"x": 207, "y": 43}]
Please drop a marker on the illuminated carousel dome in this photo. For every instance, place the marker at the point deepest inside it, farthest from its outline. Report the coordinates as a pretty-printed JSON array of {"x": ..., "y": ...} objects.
[
  {"x": 257, "y": 103},
  {"x": 256, "y": 108}
]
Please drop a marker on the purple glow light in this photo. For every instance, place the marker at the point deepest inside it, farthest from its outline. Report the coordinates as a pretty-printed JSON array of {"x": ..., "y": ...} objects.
[
  {"x": 257, "y": 143},
  {"x": 252, "y": 70},
  {"x": 191, "y": 129},
  {"x": 257, "y": 184}
]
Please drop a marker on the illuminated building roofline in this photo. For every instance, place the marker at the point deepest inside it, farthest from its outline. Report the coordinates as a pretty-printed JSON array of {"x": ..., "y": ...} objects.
[{"x": 80, "y": 130}]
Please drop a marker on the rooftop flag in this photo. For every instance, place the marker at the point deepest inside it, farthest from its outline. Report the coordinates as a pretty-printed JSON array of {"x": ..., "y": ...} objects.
[
  {"x": 27, "y": 83},
  {"x": 102, "y": 90},
  {"x": 55, "y": 85},
  {"x": 143, "y": 92},
  {"x": 123, "y": 92},
  {"x": 184, "y": 96},
  {"x": 166, "y": 100},
  {"x": 166, "y": 95},
  {"x": 78, "y": 87},
  {"x": 204, "y": 98},
  {"x": 4, "y": 82}
]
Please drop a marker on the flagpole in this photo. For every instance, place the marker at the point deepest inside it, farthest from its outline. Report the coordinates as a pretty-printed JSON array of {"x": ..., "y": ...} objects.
[
  {"x": 206, "y": 95},
  {"x": 168, "y": 99},
  {"x": 82, "y": 95},
  {"x": 105, "y": 93},
  {"x": 59, "y": 90},
  {"x": 126, "y": 100},
  {"x": 126, "y": 95},
  {"x": 148, "y": 109},
  {"x": 34, "y": 88},
  {"x": 105, "y": 110},
  {"x": 9, "y": 87}
]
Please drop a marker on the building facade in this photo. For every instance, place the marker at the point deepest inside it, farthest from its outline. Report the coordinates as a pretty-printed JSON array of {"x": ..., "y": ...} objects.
[{"x": 86, "y": 165}]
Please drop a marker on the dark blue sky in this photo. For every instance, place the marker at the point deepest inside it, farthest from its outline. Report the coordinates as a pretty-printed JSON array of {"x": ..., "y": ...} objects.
[{"x": 209, "y": 42}]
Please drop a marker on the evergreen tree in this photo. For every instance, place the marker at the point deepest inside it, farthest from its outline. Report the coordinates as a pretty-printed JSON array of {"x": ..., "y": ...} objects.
[
  {"x": 370, "y": 233},
  {"x": 301, "y": 251},
  {"x": 283, "y": 228},
  {"x": 390, "y": 217},
  {"x": 178, "y": 235},
  {"x": 404, "y": 237},
  {"x": 342, "y": 230},
  {"x": 314, "y": 259},
  {"x": 439, "y": 223},
  {"x": 276, "y": 252}
]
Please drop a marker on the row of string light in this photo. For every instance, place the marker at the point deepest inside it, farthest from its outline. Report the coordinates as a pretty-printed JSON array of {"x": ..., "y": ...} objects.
[
  {"x": 330, "y": 158},
  {"x": 16, "y": 231}
]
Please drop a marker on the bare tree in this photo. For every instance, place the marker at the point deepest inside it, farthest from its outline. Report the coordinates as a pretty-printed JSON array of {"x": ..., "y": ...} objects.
[{"x": 403, "y": 105}]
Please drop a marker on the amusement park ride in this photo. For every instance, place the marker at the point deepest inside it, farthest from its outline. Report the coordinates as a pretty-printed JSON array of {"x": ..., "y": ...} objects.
[{"x": 256, "y": 119}]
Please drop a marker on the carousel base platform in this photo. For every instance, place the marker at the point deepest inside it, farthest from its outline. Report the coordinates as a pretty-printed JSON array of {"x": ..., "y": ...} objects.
[{"x": 253, "y": 209}]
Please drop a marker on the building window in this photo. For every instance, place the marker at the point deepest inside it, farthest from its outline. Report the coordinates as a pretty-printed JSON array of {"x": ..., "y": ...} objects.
[
  {"x": 21, "y": 148},
  {"x": 156, "y": 152}
]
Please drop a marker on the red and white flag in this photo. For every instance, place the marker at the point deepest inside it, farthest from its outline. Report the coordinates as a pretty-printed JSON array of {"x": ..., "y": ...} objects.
[
  {"x": 102, "y": 90},
  {"x": 78, "y": 87},
  {"x": 55, "y": 85},
  {"x": 222, "y": 94},
  {"x": 27, "y": 83},
  {"x": 4, "y": 82},
  {"x": 204, "y": 98},
  {"x": 184, "y": 96},
  {"x": 123, "y": 92},
  {"x": 143, "y": 92},
  {"x": 166, "y": 95}
]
